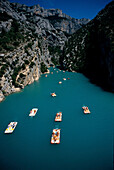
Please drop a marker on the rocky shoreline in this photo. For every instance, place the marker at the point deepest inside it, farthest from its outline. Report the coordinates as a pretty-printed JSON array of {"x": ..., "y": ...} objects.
[
  {"x": 2, "y": 96},
  {"x": 20, "y": 68}
]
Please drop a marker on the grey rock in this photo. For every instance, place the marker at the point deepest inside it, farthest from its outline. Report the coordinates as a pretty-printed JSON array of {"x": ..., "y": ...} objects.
[{"x": 41, "y": 28}]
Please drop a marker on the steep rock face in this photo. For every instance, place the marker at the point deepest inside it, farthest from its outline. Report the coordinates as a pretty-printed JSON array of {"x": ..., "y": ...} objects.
[
  {"x": 30, "y": 39},
  {"x": 91, "y": 49},
  {"x": 49, "y": 24},
  {"x": 56, "y": 17},
  {"x": 1, "y": 96},
  {"x": 20, "y": 68}
]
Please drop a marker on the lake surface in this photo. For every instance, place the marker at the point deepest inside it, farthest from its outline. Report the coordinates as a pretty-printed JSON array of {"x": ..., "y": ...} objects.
[{"x": 86, "y": 140}]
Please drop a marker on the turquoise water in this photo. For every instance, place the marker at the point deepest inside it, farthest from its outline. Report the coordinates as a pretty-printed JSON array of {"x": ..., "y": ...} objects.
[{"x": 86, "y": 140}]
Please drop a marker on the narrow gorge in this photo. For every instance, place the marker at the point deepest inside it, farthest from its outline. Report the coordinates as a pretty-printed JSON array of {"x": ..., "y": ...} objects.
[{"x": 31, "y": 39}]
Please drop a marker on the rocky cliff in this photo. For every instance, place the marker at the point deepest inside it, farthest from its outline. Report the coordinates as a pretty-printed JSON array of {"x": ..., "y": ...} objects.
[
  {"x": 55, "y": 17},
  {"x": 31, "y": 39},
  {"x": 91, "y": 49},
  {"x": 20, "y": 68}
]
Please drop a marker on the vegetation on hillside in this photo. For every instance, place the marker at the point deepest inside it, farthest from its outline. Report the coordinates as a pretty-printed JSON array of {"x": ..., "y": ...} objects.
[
  {"x": 91, "y": 49},
  {"x": 11, "y": 39},
  {"x": 55, "y": 51},
  {"x": 43, "y": 68}
]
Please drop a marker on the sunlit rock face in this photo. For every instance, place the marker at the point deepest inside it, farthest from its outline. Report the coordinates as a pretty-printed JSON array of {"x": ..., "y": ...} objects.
[{"x": 31, "y": 39}]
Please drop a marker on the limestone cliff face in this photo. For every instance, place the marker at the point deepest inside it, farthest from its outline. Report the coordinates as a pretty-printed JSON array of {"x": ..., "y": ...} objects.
[
  {"x": 56, "y": 17},
  {"x": 28, "y": 76},
  {"x": 20, "y": 67},
  {"x": 52, "y": 24},
  {"x": 91, "y": 49},
  {"x": 30, "y": 39},
  {"x": 1, "y": 96}
]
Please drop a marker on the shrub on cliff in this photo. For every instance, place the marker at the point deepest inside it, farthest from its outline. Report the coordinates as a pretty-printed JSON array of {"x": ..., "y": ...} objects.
[
  {"x": 43, "y": 68},
  {"x": 26, "y": 62},
  {"x": 3, "y": 68},
  {"x": 54, "y": 61},
  {"x": 12, "y": 38},
  {"x": 54, "y": 50},
  {"x": 14, "y": 75},
  {"x": 22, "y": 75},
  {"x": 31, "y": 64}
]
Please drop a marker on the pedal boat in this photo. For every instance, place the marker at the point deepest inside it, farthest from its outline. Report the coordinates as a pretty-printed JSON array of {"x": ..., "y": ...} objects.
[
  {"x": 64, "y": 78},
  {"x": 55, "y": 139},
  {"x": 33, "y": 112},
  {"x": 53, "y": 95},
  {"x": 11, "y": 127},
  {"x": 58, "y": 117},
  {"x": 86, "y": 110}
]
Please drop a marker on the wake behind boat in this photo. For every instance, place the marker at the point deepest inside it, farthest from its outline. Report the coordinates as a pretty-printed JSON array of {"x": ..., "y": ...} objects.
[
  {"x": 11, "y": 127},
  {"x": 33, "y": 112}
]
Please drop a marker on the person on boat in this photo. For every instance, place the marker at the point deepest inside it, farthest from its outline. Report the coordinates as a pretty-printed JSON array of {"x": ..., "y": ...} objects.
[
  {"x": 56, "y": 132},
  {"x": 58, "y": 114},
  {"x": 86, "y": 109},
  {"x": 55, "y": 137}
]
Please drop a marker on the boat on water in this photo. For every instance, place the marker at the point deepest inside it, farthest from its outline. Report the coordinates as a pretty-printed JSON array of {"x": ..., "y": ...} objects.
[
  {"x": 63, "y": 71},
  {"x": 57, "y": 71},
  {"x": 11, "y": 127},
  {"x": 55, "y": 139},
  {"x": 60, "y": 82},
  {"x": 58, "y": 117},
  {"x": 64, "y": 78},
  {"x": 46, "y": 75},
  {"x": 53, "y": 95},
  {"x": 33, "y": 112},
  {"x": 68, "y": 78},
  {"x": 86, "y": 110},
  {"x": 51, "y": 72}
]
